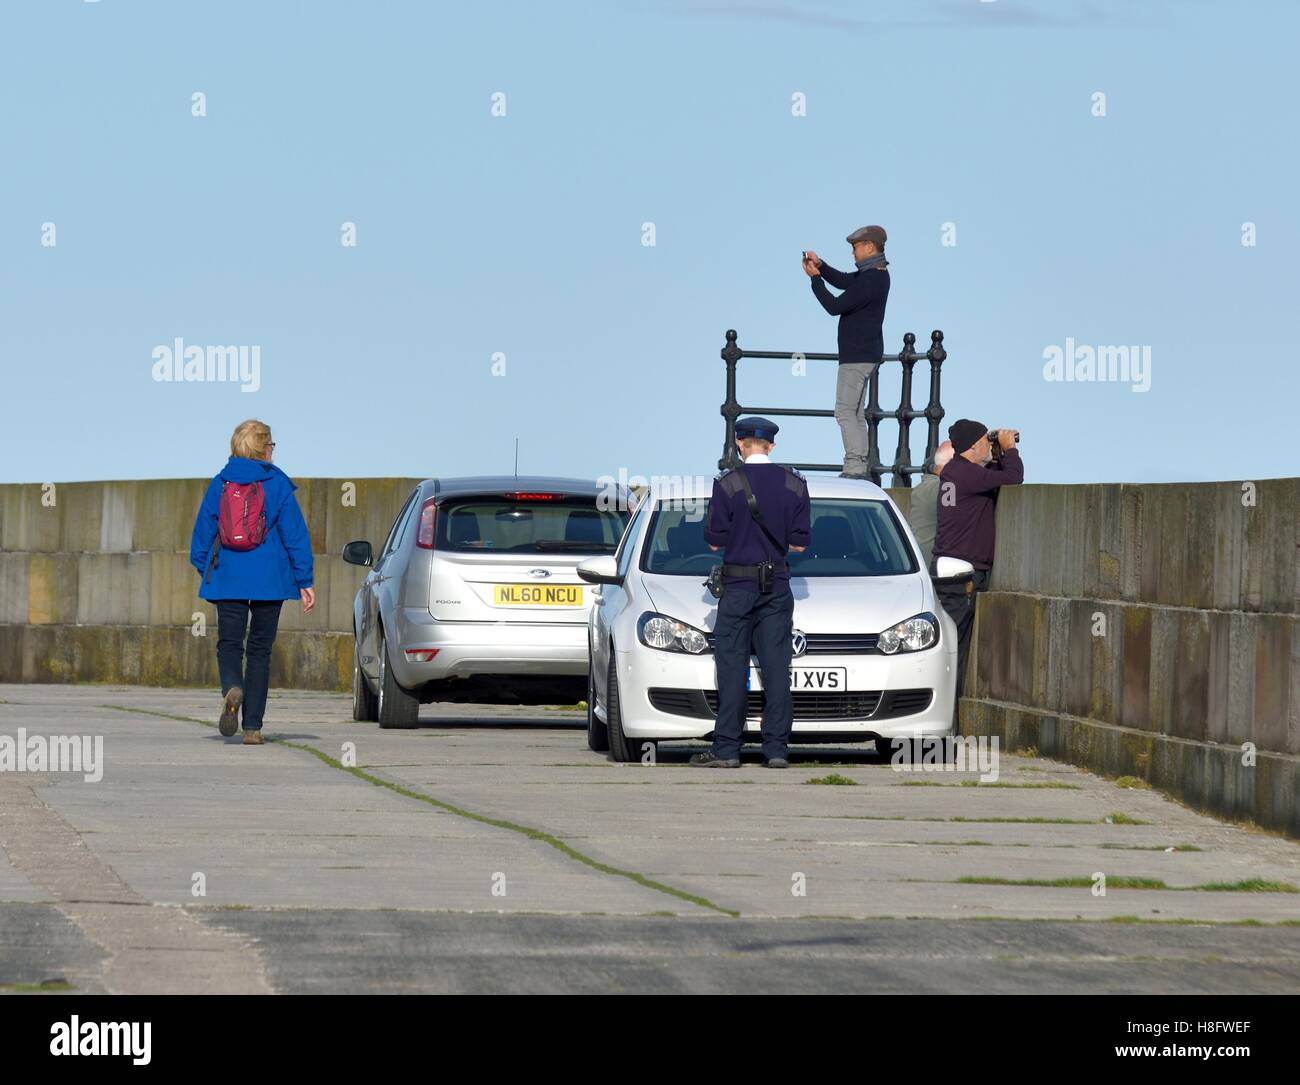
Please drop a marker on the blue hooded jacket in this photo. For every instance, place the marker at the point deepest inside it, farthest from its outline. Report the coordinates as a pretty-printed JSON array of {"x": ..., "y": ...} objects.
[{"x": 276, "y": 569}]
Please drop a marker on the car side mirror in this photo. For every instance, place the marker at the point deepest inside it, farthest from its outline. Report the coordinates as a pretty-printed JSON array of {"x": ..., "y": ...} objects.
[
  {"x": 358, "y": 553},
  {"x": 950, "y": 570},
  {"x": 600, "y": 570}
]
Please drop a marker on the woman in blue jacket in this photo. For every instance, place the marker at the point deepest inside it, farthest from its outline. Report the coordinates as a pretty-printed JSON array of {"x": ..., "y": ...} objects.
[{"x": 249, "y": 586}]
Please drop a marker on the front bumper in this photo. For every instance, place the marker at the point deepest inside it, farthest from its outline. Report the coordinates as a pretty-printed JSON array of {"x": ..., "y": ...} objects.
[
  {"x": 466, "y": 649},
  {"x": 644, "y": 674}
]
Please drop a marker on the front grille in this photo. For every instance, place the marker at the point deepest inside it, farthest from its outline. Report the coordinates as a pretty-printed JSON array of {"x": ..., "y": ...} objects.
[
  {"x": 835, "y": 643},
  {"x": 841, "y": 643}
]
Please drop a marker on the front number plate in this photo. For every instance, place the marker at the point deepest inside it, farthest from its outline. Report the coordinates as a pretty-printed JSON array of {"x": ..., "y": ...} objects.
[
  {"x": 536, "y": 595},
  {"x": 809, "y": 679}
]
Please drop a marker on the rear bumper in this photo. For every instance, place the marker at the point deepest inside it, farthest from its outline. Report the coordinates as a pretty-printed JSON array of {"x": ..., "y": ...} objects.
[{"x": 466, "y": 649}]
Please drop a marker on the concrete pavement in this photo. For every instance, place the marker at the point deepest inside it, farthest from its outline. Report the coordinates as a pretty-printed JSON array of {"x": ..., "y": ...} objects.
[{"x": 489, "y": 849}]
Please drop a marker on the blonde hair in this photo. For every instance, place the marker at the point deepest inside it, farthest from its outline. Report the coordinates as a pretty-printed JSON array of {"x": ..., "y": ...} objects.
[
  {"x": 750, "y": 445},
  {"x": 250, "y": 440}
]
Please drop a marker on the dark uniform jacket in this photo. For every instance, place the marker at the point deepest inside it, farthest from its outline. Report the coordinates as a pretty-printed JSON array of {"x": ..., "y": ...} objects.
[
  {"x": 782, "y": 496},
  {"x": 966, "y": 512},
  {"x": 861, "y": 309}
]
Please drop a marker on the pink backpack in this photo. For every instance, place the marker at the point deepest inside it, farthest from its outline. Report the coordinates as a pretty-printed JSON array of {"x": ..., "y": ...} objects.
[{"x": 241, "y": 521}]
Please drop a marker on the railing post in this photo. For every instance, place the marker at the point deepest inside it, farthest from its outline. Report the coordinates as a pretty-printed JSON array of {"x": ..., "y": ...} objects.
[
  {"x": 934, "y": 409},
  {"x": 903, "y": 454},
  {"x": 730, "y": 409}
]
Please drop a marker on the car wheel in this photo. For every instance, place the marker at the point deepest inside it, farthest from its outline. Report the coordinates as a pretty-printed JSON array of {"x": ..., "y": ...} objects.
[
  {"x": 885, "y": 748},
  {"x": 397, "y": 707},
  {"x": 621, "y": 748},
  {"x": 597, "y": 732},
  {"x": 365, "y": 705}
]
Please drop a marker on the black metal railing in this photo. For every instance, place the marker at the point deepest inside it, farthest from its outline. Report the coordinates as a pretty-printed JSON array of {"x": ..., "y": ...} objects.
[{"x": 902, "y": 469}]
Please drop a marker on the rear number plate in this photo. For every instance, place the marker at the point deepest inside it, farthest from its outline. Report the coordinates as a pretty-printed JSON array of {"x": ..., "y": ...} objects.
[{"x": 536, "y": 595}]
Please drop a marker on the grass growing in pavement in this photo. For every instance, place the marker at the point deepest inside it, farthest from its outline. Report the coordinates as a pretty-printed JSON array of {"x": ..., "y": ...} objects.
[
  {"x": 993, "y": 783},
  {"x": 1132, "y": 781},
  {"x": 1153, "y": 847},
  {"x": 1065, "y": 883},
  {"x": 1253, "y": 885},
  {"x": 37, "y": 988},
  {"x": 1250, "y": 885},
  {"x": 500, "y": 823},
  {"x": 1121, "y": 818},
  {"x": 834, "y": 779}
]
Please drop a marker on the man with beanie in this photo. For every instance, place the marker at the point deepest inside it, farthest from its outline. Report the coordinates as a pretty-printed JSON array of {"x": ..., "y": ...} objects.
[
  {"x": 861, "y": 309},
  {"x": 968, "y": 491}
]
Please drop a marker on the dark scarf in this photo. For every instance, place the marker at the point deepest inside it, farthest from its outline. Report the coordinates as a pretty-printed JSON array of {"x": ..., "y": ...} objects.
[{"x": 872, "y": 261}]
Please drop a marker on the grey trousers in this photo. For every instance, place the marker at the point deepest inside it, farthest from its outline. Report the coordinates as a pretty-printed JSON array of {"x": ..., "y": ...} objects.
[{"x": 850, "y": 394}]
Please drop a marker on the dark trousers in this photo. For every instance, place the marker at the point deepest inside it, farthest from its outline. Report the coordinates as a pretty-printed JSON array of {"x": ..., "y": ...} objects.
[
  {"x": 960, "y": 605},
  {"x": 256, "y": 620},
  {"x": 749, "y": 621}
]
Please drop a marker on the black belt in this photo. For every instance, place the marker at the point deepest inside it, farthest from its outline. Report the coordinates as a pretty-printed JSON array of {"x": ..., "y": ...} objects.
[{"x": 750, "y": 572}]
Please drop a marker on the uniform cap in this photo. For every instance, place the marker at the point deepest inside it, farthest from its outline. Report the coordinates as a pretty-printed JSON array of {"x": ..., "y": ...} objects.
[{"x": 757, "y": 427}]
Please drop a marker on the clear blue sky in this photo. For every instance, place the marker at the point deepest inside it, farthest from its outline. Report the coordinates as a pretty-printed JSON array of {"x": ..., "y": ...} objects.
[{"x": 522, "y": 234}]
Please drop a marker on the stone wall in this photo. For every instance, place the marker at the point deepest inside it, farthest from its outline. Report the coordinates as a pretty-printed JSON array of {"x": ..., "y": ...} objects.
[
  {"x": 1142, "y": 630},
  {"x": 97, "y": 585},
  {"x": 1150, "y": 631}
]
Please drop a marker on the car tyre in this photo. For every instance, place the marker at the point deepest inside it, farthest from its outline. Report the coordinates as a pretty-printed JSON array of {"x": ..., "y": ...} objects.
[
  {"x": 365, "y": 703},
  {"x": 597, "y": 732},
  {"x": 397, "y": 707},
  {"x": 621, "y": 747}
]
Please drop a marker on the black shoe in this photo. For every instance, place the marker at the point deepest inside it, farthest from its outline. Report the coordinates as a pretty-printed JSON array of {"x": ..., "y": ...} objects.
[
  {"x": 776, "y": 763},
  {"x": 229, "y": 722},
  {"x": 709, "y": 761}
]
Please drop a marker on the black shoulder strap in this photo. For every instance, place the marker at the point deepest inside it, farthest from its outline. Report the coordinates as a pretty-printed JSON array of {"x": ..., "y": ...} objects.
[{"x": 756, "y": 512}]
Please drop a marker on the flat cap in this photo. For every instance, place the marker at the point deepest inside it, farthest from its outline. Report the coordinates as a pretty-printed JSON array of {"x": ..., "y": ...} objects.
[
  {"x": 754, "y": 426},
  {"x": 875, "y": 234}
]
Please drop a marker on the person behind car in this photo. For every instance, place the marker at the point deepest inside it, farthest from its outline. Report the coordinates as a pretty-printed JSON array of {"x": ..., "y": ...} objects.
[
  {"x": 923, "y": 512},
  {"x": 968, "y": 492},
  {"x": 251, "y": 546},
  {"x": 756, "y": 609}
]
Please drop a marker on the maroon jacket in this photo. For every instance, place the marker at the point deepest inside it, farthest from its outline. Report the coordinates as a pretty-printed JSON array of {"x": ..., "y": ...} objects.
[{"x": 968, "y": 497}]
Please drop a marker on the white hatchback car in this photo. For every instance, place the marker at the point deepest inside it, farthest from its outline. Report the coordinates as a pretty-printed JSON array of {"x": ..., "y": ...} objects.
[{"x": 875, "y": 655}]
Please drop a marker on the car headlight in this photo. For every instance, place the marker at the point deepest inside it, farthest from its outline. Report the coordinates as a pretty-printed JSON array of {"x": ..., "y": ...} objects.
[
  {"x": 913, "y": 635},
  {"x": 670, "y": 635}
]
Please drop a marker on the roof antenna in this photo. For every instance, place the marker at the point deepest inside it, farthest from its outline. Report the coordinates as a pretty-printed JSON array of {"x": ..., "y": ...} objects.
[{"x": 516, "y": 457}]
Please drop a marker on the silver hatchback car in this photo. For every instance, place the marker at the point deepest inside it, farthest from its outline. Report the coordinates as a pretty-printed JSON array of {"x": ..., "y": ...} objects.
[{"x": 475, "y": 595}]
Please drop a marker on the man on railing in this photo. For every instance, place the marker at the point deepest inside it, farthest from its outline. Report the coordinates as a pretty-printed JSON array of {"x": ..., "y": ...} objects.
[{"x": 861, "y": 309}]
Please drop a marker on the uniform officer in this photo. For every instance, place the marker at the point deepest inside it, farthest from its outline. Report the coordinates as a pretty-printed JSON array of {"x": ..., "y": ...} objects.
[{"x": 756, "y": 610}]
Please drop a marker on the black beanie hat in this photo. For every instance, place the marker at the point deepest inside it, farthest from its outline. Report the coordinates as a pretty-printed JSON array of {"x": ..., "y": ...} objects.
[{"x": 963, "y": 433}]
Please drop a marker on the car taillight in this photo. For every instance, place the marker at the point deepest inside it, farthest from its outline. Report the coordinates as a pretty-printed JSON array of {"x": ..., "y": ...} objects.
[
  {"x": 420, "y": 655},
  {"x": 428, "y": 516}
]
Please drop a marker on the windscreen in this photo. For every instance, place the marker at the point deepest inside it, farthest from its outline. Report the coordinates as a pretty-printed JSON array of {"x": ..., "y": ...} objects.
[
  {"x": 849, "y": 538},
  {"x": 522, "y": 526}
]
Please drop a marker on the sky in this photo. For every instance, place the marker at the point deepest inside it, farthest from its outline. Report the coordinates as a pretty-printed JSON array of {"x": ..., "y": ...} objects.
[{"x": 500, "y": 286}]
